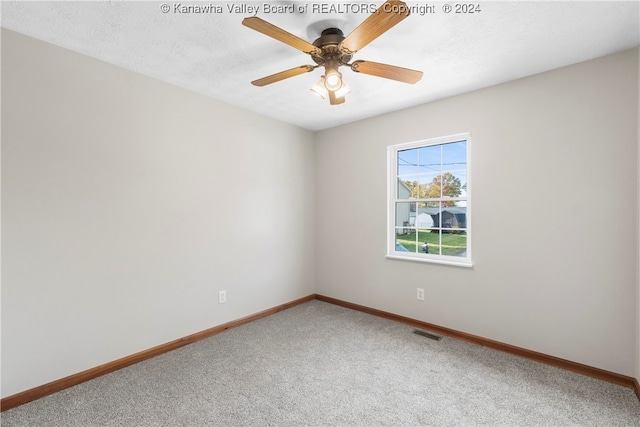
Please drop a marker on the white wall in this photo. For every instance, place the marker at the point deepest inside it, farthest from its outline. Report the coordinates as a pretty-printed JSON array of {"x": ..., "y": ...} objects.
[
  {"x": 638, "y": 246},
  {"x": 128, "y": 203},
  {"x": 558, "y": 152}
]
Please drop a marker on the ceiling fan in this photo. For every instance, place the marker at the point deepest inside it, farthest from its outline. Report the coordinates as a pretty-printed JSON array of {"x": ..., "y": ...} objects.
[{"x": 333, "y": 50}]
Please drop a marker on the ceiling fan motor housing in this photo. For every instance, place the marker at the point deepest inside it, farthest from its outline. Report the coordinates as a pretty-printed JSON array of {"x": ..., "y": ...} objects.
[{"x": 328, "y": 42}]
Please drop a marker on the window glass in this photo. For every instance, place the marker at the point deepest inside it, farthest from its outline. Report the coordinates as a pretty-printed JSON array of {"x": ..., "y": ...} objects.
[{"x": 430, "y": 202}]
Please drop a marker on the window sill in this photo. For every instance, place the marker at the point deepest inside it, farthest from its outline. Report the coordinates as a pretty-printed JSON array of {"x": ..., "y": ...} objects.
[{"x": 455, "y": 263}]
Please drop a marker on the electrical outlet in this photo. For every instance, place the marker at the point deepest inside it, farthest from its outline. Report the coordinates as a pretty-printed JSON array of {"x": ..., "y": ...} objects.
[
  {"x": 222, "y": 297},
  {"x": 420, "y": 294}
]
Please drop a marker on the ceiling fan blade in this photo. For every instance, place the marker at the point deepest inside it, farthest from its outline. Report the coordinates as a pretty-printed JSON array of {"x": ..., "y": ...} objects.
[
  {"x": 387, "y": 71},
  {"x": 279, "y": 34},
  {"x": 335, "y": 100},
  {"x": 385, "y": 17},
  {"x": 283, "y": 75}
]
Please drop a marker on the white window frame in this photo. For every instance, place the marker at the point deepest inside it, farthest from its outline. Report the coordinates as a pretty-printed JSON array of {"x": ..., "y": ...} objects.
[{"x": 392, "y": 199}]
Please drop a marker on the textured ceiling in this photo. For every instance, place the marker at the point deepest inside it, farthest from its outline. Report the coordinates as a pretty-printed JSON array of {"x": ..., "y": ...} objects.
[{"x": 213, "y": 54}]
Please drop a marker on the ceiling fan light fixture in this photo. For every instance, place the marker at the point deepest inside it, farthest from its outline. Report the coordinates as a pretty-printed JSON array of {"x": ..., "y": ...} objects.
[
  {"x": 319, "y": 88},
  {"x": 344, "y": 89},
  {"x": 332, "y": 77},
  {"x": 332, "y": 80}
]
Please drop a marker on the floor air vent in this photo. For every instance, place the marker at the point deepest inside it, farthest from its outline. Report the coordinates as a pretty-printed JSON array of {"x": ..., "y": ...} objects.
[{"x": 427, "y": 335}]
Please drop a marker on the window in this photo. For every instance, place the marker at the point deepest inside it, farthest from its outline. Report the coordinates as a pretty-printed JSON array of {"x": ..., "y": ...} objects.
[{"x": 429, "y": 201}]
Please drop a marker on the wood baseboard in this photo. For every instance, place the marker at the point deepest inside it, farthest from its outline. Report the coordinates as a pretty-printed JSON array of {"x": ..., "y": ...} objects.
[
  {"x": 75, "y": 379},
  {"x": 579, "y": 368}
]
